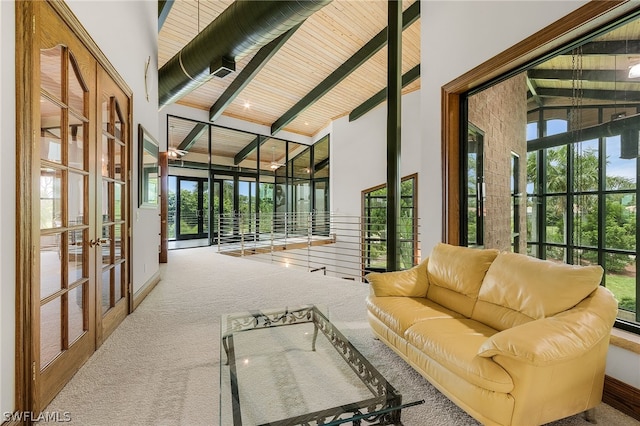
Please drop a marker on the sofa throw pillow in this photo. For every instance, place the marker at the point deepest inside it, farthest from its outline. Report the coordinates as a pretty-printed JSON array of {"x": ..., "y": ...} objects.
[
  {"x": 460, "y": 269},
  {"x": 410, "y": 283},
  {"x": 537, "y": 288}
]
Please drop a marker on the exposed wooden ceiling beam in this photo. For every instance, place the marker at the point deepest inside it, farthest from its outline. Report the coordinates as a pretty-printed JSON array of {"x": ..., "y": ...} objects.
[
  {"x": 610, "y": 95},
  {"x": 245, "y": 76},
  {"x": 247, "y": 150},
  {"x": 533, "y": 89},
  {"x": 164, "y": 6},
  {"x": 585, "y": 75},
  {"x": 410, "y": 15},
  {"x": 193, "y": 136},
  {"x": 626, "y": 47},
  {"x": 407, "y": 78},
  {"x": 611, "y": 128},
  {"x": 321, "y": 165}
]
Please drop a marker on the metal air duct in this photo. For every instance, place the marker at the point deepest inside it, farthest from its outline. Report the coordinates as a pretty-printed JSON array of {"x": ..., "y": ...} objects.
[{"x": 241, "y": 29}]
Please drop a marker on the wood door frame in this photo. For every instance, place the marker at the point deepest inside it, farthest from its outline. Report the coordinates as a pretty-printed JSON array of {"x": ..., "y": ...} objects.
[
  {"x": 579, "y": 23},
  {"x": 164, "y": 213},
  {"x": 27, "y": 97}
]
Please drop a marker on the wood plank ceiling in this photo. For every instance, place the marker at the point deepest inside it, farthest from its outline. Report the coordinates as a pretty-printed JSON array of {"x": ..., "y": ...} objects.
[{"x": 324, "y": 42}]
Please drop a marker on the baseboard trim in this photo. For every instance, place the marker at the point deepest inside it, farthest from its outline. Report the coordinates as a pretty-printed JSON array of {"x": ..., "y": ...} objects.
[
  {"x": 621, "y": 396},
  {"x": 141, "y": 294}
]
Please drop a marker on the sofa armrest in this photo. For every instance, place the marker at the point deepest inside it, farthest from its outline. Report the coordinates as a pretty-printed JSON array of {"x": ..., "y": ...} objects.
[
  {"x": 412, "y": 282},
  {"x": 559, "y": 338}
]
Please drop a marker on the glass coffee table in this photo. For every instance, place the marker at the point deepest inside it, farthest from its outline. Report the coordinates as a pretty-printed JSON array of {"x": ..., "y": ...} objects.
[{"x": 292, "y": 366}]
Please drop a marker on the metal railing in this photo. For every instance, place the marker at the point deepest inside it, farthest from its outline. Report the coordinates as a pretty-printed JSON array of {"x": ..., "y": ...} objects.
[{"x": 338, "y": 245}]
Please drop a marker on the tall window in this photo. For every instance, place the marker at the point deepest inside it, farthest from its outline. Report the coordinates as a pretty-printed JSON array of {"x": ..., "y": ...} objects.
[
  {"x": 374, "y": 202},
  {"x": 258, "y": 183},
  {"x": 572, "y": 122},
  {"x": 515, "y": 202},
  {"x": 475, "y": 187},
  {"x": 583, "y": 196}
]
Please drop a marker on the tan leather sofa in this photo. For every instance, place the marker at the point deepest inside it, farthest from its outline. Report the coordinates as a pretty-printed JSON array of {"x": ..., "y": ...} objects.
[{"x": 510, "y": 339}]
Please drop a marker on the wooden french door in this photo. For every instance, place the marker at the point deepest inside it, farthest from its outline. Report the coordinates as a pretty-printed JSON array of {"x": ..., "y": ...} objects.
[
  {"x": 73, "y": 236},
  {"x": 111, "y": 210}
]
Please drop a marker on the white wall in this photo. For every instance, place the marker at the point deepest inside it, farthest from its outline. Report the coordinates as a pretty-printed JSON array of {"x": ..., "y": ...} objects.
[
  {"x": 128, "y": 42},
  {"x": 7, "y": 210},
  {"x": 475, "y": 32},
  {"x": 495, "y": 26},
  {"x": 359, "y": 153}
]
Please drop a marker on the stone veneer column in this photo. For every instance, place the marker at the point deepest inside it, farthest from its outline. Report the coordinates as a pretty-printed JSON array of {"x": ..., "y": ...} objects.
[{"x": 501, "y": 113}]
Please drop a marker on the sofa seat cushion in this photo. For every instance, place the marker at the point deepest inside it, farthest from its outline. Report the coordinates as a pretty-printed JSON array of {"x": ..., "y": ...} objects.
[
  {"x": 454, "y": 344},
  {"x": 400, "y": 313}
]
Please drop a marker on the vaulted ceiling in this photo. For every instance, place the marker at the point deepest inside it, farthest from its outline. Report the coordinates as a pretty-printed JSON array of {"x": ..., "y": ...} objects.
[{"x": 332, "y": 65}]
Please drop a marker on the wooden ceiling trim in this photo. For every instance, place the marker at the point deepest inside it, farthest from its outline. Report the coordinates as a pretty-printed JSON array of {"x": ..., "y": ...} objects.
[
  {"x": 411, "y": 14},
  {"x": 247, "y": 74}
]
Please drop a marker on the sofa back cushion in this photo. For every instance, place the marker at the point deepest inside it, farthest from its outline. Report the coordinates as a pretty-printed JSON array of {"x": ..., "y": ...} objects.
[
  {"x": 455, "y": 275},
  {"x": 519, "y": 288}
]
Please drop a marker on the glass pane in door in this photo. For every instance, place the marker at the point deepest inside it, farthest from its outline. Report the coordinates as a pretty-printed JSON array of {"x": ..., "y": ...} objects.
[
  {"x": 227, "y": 219},
  {"x": 172, "y": 207},
  {"x": 62, "y": 188},
  {"x": 50, "y": 331},
  {"x": 246, "y": 205},
  {"x": 75, "y": 307},
  {"x": 266, "y": 206},
  {"x": 112, "y": 218},
  {"x": 188, "y": 207},
  {"x": 50, "y": 133},
  {"x": 216, "y": 208},
  {"x": 205, "y": 207},
  {"x": 105, "y": 295},
  {"x": 321, "y": 213}
]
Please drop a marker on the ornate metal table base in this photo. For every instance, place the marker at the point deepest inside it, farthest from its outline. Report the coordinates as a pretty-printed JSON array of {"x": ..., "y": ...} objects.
[{"x": 382, "y": 408}]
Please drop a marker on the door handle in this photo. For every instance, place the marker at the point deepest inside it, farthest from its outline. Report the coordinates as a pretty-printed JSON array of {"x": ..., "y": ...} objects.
[{"x": 94, "y": 243}]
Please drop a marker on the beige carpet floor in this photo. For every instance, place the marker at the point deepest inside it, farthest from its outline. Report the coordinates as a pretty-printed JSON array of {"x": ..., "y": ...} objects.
[{"x": 161, "y": 366}]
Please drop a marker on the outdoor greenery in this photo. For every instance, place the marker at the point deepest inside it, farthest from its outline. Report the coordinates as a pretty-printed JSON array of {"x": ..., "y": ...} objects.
[
  {"x": 246, "y": 206},
  {"x": 376, "y": 226},
  {"x": 619, "y": 230}
]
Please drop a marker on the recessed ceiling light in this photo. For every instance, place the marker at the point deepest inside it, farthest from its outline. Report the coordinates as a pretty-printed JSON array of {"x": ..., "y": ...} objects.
[{"x": 247, "y": 105}]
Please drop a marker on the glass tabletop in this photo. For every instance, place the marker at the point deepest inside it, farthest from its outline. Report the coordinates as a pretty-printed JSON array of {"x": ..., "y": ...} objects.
[{"x": 292, "y": 366}]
